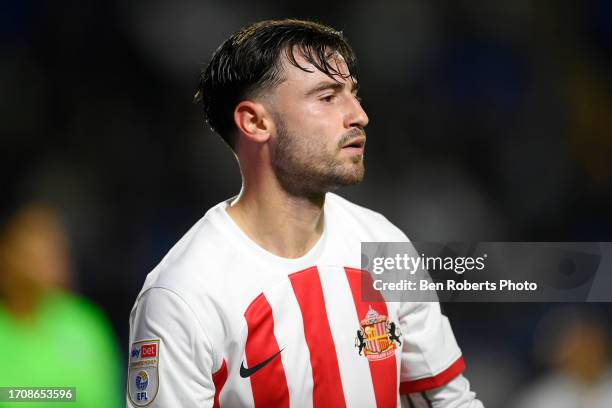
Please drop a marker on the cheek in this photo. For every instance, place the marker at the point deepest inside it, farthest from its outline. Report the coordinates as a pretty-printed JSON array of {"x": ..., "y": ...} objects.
[{"x": 320, "y": 124}]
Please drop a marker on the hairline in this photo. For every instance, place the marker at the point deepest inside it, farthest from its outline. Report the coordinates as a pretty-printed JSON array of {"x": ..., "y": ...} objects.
[{"x": 289, "y": 56}]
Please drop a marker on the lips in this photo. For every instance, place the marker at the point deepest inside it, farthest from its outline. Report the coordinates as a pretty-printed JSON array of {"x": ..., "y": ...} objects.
[{"x": 357, "y": 143}]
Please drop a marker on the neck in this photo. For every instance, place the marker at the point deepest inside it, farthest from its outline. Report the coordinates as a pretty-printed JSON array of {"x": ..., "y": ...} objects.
[
  {"x": 21, "y": 301},
  {"x": 281, "y": 223}
]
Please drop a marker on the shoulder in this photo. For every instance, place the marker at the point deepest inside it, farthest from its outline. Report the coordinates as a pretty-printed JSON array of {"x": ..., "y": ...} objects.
[
  {"x": 378, "y": 227},
  {"x": 193, "y": 261},
  {"x": 181, "y": 295}
]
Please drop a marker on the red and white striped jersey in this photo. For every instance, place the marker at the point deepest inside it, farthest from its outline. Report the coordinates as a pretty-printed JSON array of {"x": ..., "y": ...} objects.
[{"x": 222, "y": 322}]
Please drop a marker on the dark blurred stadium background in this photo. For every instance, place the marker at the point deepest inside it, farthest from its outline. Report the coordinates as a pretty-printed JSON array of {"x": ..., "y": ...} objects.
[{"x": 489, "y": 121}]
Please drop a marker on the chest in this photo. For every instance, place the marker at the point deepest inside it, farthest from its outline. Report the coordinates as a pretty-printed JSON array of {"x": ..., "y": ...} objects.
[{"x": 315, "y": 339}]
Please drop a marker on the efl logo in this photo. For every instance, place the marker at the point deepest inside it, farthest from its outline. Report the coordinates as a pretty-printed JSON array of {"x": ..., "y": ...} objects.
[{"x": 148, "y": 350}]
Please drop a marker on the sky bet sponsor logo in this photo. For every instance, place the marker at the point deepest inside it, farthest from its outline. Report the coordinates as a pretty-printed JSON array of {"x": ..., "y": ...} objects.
[
  {"x": 145, "y": 351},
  {"x": 148, "y": 350}
]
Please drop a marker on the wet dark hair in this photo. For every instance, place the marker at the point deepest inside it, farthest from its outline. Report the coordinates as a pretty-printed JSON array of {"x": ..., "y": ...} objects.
[{"x": 248, "y": 63}]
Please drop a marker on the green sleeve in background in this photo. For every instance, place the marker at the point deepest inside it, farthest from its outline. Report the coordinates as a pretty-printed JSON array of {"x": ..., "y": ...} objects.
[{"x": 68, "y": 343}]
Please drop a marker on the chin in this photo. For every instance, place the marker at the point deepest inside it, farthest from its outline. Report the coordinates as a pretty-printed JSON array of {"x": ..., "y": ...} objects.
[{"x": 349, "y": 178}]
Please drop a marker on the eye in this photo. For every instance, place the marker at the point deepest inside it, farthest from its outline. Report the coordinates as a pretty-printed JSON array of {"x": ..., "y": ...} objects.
[{"x": 328, "y": 98}]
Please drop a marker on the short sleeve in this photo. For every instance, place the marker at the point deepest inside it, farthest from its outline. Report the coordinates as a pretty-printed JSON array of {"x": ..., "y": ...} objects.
[
  {"x": 171, "y": 360},
  {"x": 430, "y": 354}
]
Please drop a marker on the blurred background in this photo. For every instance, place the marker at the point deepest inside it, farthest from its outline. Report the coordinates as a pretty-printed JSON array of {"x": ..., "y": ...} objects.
[{"x": 489, "y": 121}]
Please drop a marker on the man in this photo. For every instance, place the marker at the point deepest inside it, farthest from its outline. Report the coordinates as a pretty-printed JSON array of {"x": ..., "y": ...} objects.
[{"x": 259, "y": 303}]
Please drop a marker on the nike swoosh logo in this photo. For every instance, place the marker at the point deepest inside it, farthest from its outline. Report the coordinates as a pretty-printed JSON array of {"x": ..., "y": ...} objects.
[{"x": 247, "y": 372}]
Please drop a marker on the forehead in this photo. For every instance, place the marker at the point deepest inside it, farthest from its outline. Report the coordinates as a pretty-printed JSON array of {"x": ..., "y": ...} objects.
[{"x": 303, "y": 78}]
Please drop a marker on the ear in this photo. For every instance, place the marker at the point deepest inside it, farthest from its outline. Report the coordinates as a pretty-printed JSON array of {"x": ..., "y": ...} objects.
[{"x": 252, "y": 120}]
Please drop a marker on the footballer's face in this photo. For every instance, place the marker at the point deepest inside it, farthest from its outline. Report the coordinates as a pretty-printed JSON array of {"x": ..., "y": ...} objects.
[{"x": 319, "y": 141}]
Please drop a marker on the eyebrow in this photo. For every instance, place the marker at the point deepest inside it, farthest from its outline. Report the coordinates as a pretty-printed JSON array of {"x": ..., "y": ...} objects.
[{"x": 336, "y": 86}]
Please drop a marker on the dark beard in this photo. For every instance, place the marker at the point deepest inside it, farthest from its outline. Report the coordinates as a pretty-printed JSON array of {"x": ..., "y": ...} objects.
[{"x": 300, "y": 173}]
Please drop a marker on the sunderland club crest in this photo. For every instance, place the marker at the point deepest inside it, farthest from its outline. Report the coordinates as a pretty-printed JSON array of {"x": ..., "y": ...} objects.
[{"x": 377, "y": 336}]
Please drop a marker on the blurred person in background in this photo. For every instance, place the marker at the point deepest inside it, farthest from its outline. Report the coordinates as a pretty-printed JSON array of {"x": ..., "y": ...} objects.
[
  {"x": 574, "y": 343},
  {"x": 48, "y": 336}
]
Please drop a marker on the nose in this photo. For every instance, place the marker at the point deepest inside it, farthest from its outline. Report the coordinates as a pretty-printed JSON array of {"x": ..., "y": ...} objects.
[{"x": 356, "y": 116}]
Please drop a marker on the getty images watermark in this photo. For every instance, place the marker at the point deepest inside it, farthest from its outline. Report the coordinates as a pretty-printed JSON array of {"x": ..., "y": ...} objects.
[
  {"x": 488, "y": 271},
  {"x": 459, "y": 265}
]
